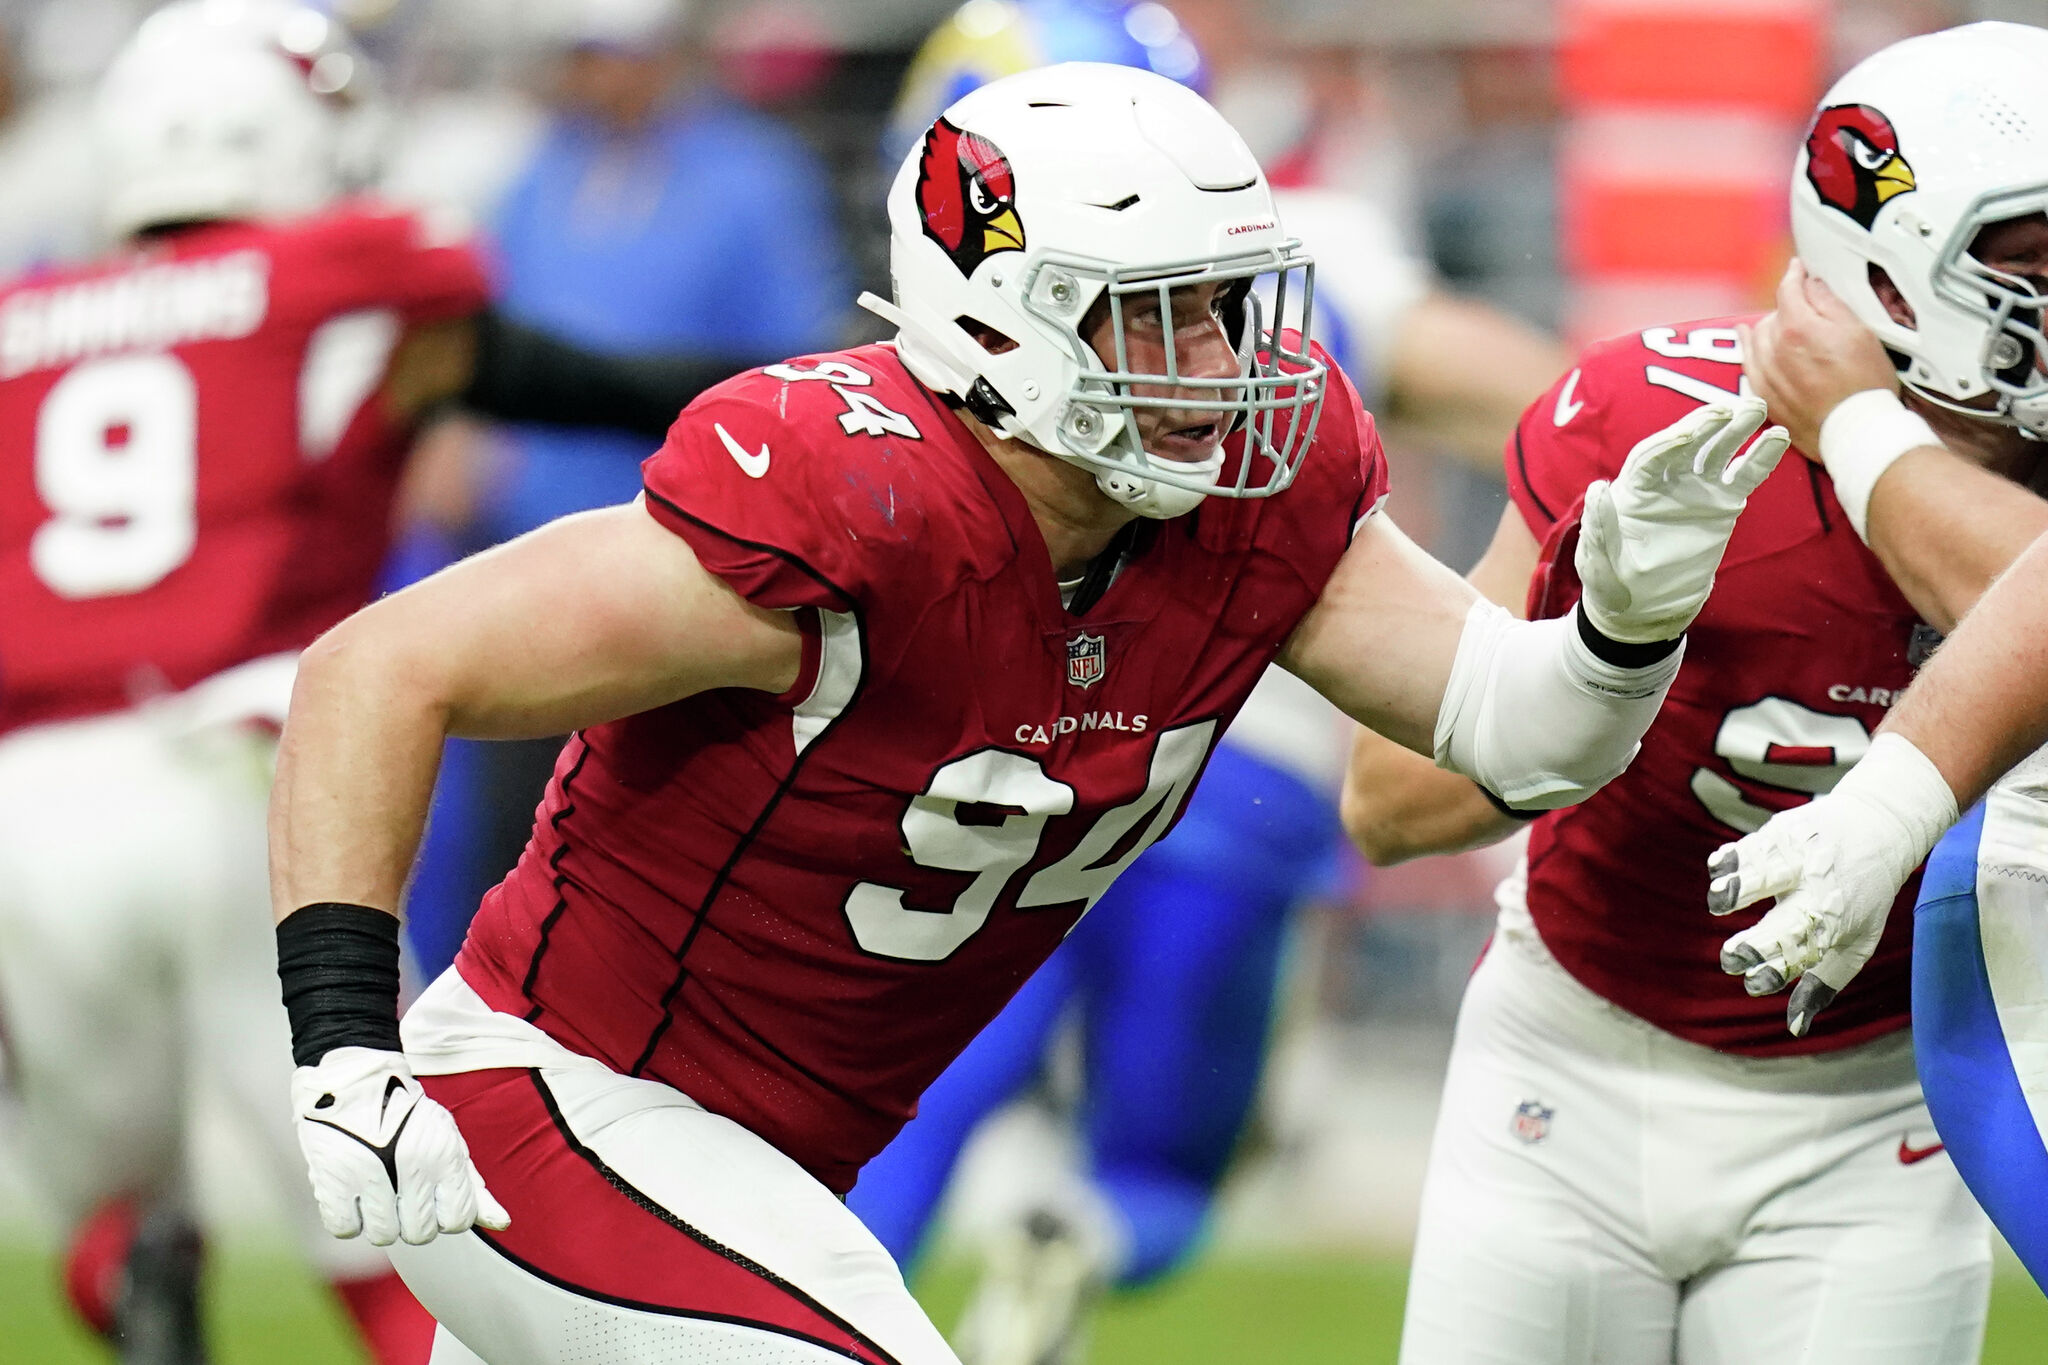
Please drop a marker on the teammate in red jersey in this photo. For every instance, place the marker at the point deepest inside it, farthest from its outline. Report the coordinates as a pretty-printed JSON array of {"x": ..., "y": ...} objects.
[
  {"x": 1633, "y": 1162},
  {"x": 906, "y": 652},
  {"x": 211, "y": 423}
]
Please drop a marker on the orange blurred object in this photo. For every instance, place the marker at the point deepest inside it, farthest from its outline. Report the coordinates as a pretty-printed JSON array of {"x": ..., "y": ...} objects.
[
  {"x": 1765, "y": 58},
  {"x": 1683, "y": 119}
]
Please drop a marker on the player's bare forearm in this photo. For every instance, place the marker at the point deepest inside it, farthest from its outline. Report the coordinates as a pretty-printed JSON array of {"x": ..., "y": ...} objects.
[
  {"x": 1380, "y": 642},
  {"x": 593, "y": 617},
  {"x": 1944, "y": 527},
  {"x": 1398, "y": 804},
  {"x": 355, "y": 772},
  {"x": 1981, "y": 704},
  {"x": 1462, "y": 371}
]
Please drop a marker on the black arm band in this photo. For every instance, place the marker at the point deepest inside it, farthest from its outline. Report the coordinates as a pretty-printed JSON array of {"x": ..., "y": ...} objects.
[
  {"x": 526, "y": 375},
  {"x": 1493, "y": 799},
  {"x": 339, "y": 968},
  {"x": 1620, "y": 653}
]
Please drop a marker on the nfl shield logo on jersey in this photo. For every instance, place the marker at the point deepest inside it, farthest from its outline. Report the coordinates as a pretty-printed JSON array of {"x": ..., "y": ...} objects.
[
  {"x": 1085, "y": 660},
  {"x": 1532, "y": 1122}
]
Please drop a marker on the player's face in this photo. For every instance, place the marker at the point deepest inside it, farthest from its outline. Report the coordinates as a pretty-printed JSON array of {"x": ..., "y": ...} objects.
[
  {"x": 1202, "y": 349},
  {"x": 2018, "y": 247}
]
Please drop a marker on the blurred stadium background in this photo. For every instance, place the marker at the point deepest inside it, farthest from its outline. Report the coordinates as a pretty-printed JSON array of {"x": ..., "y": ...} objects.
[{"x": 1591, "y": 165}]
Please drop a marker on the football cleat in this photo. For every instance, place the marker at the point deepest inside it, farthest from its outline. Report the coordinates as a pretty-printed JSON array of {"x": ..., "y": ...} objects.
[
  {"x": 1041, "y": 1276},
  {"x": 156, "y": 1313}
]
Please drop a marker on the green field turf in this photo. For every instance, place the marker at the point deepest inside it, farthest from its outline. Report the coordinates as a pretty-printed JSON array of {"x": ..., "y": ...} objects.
[{"x": 1327, "y": 1311}]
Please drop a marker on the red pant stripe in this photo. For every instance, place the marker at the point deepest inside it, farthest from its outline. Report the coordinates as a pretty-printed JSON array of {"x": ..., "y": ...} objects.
[{"x": 580, "y": 1225}]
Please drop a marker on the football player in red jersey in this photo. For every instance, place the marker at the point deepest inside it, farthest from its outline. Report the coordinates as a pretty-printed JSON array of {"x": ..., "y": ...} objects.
[
  {"x": 1634, "y": 1162},
  {"x": 904, "y": 655},
  {"x": 212, "y": 421}
]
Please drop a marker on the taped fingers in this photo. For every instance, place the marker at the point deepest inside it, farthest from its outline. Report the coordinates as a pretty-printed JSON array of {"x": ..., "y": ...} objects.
[
  {"x": 1753, "y": 868},
  {"x": 1809, "y": 997}
]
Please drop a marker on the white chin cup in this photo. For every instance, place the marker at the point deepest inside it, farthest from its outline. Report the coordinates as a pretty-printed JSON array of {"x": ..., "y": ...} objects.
[{"x": 1150, "y": 497}]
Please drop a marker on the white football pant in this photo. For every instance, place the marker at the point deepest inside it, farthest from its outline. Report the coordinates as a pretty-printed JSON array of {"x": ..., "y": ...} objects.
[
  {"x": 137, "y": 956},
  {"x": 644, "y": 1229},
  {"x": 1602, "y": 1191}
]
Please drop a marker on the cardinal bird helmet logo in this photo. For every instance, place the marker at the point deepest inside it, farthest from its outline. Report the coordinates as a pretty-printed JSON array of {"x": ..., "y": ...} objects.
[
  {"x": 968, "y": 196},
  {"x": 1853, "y": 161}
]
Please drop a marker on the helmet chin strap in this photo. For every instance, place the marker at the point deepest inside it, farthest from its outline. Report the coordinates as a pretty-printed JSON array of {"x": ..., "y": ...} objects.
[
  {"x": 1150, "y": 497},
  {"x": 2000, "y": 416}
]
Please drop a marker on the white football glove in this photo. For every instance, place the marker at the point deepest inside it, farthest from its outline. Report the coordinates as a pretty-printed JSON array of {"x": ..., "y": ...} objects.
[
  {"x": 1650, "y": 541},
  {"x": 386, "y": 1160},
  {"x": 1836, "y": 865}
]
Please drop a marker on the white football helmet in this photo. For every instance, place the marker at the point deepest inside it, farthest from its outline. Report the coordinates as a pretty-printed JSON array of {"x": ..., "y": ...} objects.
[
  {"x": 232, "y": 109},
  {"x": 1913, "y": 152},
  {"x": 1040, "y": 193}
]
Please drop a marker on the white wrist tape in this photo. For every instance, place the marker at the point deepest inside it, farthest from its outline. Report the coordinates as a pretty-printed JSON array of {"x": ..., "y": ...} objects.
[
  {"x": 1895, "y": 779},
  {"x": 1535, "y": 717},
  {"x": 1858, "y": 442}
]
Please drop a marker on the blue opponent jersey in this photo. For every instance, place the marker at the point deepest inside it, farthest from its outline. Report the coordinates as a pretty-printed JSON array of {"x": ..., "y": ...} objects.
[{"x": 714, "y": 229}]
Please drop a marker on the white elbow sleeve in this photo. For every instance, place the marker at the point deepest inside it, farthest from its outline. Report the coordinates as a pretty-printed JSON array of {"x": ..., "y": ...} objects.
[{"x": 1536, "y": 717}]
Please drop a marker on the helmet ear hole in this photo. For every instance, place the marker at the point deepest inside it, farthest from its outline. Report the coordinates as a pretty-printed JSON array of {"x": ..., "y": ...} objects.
[
  {"x": 1890, "y": 295},
  {"x": 991, "y": 339}
]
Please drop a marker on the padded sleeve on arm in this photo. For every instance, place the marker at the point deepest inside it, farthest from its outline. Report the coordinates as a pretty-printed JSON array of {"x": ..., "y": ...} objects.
[
  {"x": 1533, "y": 716},
  {"x": 523, "y": 374}
]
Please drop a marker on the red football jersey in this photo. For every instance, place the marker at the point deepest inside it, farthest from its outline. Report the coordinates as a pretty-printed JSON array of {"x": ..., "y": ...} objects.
[
  {"x": 798, "y": 909},
  {"x": 1788, "y": 670},
  {"x": 204, "y": 480}
]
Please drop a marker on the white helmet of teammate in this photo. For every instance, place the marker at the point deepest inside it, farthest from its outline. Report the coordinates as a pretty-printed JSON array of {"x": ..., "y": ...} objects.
[
  {"x": 232, "y": 109},
  {"x": 1041, "y": 193},
  {"x": 1913, "y": 152}
]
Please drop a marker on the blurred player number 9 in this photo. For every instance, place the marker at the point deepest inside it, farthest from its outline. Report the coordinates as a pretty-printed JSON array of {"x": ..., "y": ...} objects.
[
  {"x": 117, "y": 465},
  {"x": 1778, "y": 743},
  {"x": 1008, "y": 797}
]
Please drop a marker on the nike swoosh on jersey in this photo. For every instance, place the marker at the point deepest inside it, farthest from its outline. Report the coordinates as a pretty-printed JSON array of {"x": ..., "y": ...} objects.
[
  {"x": 753, "y": 466},
  {"x": 1909, "y": 1154},
  {"x": 1566, "y": 408}
]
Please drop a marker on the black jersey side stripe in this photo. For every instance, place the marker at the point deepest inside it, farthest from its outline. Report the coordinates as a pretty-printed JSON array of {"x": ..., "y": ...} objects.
[
  {"x": 561, "y": 879},
  {"x": 1820, "y": 502},
  {"x": 788, "y": 557},
  {"x": 739, "y": 850},
  {"x": 1522, "y": 464}
]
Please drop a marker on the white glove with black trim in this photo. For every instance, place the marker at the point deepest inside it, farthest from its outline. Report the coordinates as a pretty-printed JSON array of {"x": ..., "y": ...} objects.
[
  {"x": 1836, "y": 865},
  {"x": 386, "y": 1161},
  {"x": 1650, "y": 541}
]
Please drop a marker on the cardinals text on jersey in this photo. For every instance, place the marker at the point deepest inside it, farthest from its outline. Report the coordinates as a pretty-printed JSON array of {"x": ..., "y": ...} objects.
[
  {"x": 1789, "y": 669},
  {"x": 797, "y": 910}
]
